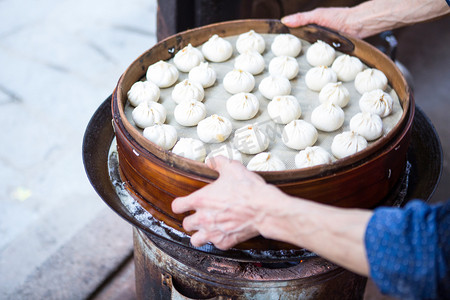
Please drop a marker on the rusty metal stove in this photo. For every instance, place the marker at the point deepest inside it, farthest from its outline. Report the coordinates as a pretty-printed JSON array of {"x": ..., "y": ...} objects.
[
  {"x": 168, "y": 271},
  {"x": 168, "y": 267}
]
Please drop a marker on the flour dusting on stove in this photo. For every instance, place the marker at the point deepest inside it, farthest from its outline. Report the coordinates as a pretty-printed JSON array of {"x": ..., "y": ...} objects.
[{"x": 135, "y": 209}]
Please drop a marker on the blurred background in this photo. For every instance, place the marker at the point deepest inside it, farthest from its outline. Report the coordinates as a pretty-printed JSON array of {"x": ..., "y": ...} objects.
[{"x": 59, "y": 60}]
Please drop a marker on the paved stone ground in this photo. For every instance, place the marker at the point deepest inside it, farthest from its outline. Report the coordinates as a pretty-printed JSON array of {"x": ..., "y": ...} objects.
[{"x": 58, "y": 61}]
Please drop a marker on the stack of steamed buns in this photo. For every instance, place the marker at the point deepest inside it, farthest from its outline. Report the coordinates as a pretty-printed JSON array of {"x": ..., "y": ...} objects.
[{"x": 325, "y": 77}]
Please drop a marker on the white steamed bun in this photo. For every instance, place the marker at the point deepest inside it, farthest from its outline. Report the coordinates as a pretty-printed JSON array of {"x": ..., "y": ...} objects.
[
  {"x": 242, "y": 106},
  {"x": 162, "y": 73},
  {"x": 187, "y": 90},
  {"x": 369, "y": 80},
  {"x": 250, "y": 41},
  {"x": 190, "y": 148},
  {"x": 203, "y": 74},
  {"x": 162, "y": 135},
  {"x": 250, "y": 139},
  {"x": 376, "y": 102},
  {"x": 299, "y": 134},
  {"x": 187, "y": 58},
  {"x": 286, "y": 45},
  {"x": 266, "y": 161},
  {"x": 285, "y": 66},
  {"x": 316, "y": 78},
  {"x": 347, "y": 143},
  {"x": 284, "y": 109},
  {"x": 227, "y": 151},
  {"x": 369, "y": 125},
  {"x": 272, "y": 86},
  {"x": 143, "y": 91},
  {"x": 320, "y": 54},
  {"x": 238, "y": 81},
  {"x": 312, "y": 156},
  {"x": 250, "y": 61},
  {"x": 327, "y": 117},
  {"x": 347, "y": 67},
  {"x": 190, "y": 112},
  {"x": 214, "y": 129},
  {"x": 335, "y": 93},
  {"x": 148, "y": 113},
  {"x": 217, "y": 49}
]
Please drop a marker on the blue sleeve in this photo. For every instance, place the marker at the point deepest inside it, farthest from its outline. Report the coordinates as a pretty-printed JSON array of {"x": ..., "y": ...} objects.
[{"x": 409, "y": 250}]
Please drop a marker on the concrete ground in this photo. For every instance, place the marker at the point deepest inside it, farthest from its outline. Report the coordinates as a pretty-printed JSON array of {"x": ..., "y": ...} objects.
[{"x": 58, "y": 61}]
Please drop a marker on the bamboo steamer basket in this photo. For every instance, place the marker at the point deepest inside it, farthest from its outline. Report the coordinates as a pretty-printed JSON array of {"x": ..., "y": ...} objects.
[{"x": 154, "y": 176}]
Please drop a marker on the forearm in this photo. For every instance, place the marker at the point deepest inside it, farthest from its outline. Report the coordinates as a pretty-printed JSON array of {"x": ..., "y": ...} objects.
[
  {"x": 375, "y": 16},
  {"x": 333, "y": 233},
  {"x": 371, "y": 17}
]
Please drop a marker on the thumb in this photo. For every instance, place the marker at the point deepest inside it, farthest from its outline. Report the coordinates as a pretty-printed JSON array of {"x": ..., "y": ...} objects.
[
  {"x": 296, "y": 20},
  {"x": 218, "y": 163},
  {"x": 231, "y": 168}
]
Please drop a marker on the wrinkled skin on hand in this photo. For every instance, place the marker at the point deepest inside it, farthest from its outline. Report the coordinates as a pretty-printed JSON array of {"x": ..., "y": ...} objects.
[
  {"x": 334, "y": 18},
  {"x": 229, "y": 210}
]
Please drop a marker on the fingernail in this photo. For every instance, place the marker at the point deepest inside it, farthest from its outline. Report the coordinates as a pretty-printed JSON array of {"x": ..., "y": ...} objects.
[
  {"x": 286, "y": 19},
  {"x": 174, "y": 203}
]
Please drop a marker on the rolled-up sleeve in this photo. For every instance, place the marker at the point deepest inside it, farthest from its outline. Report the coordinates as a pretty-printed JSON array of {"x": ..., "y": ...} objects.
[{"x": 408, "y": 250}]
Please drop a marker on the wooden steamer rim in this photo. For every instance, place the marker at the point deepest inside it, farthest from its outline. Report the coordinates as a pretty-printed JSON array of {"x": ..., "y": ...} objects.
[{"x": 166, "y": 49}]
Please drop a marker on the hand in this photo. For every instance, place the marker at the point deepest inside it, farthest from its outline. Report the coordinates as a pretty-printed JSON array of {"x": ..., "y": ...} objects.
[
  {"x": 239, "y": 205},
  {"x": 370, "y": 17},
  {"x": 229, "y": 210},
  {"x": 335, "y": 18}
]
